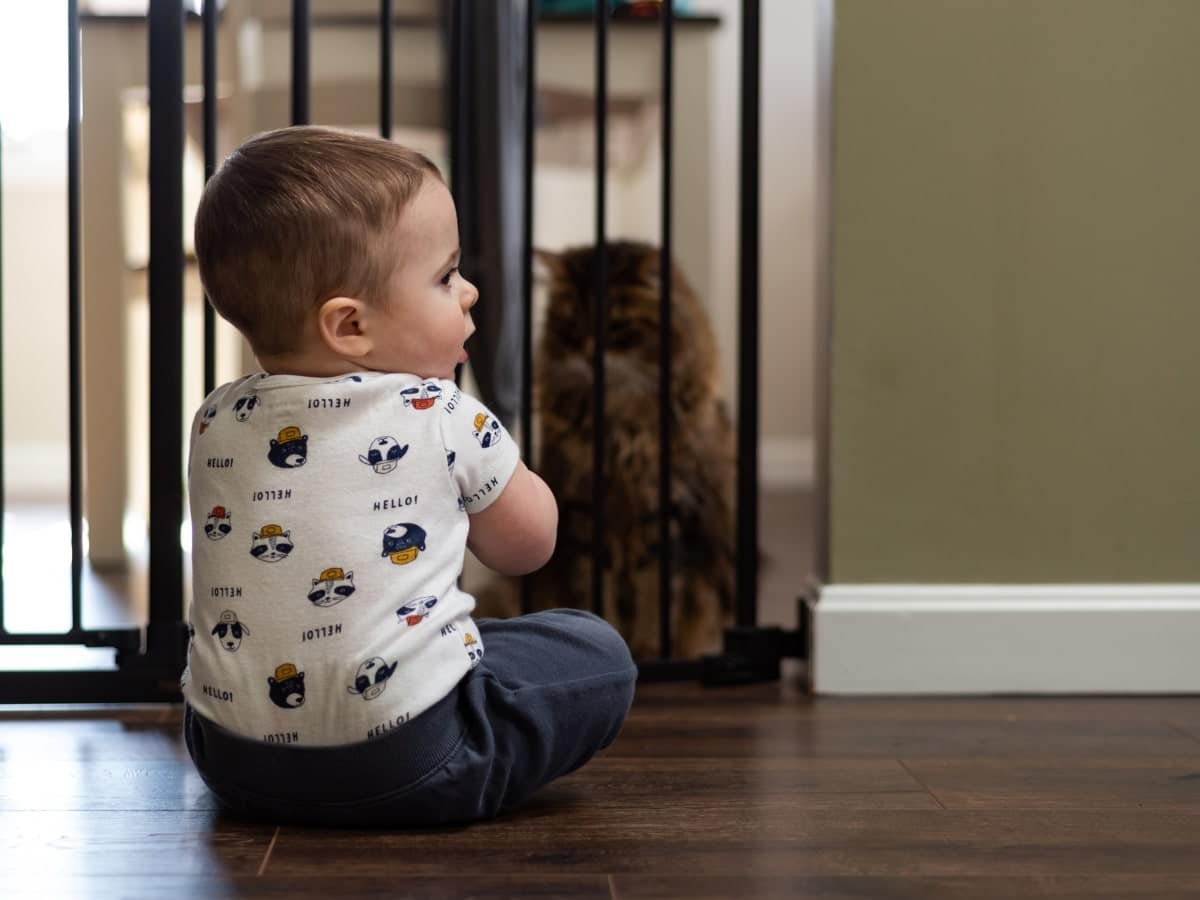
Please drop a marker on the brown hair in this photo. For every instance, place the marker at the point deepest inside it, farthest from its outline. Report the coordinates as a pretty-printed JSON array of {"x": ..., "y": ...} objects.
[{"x": 296, "y": 216}]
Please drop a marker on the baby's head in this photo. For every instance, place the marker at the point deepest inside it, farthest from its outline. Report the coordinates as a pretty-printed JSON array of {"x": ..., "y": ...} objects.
[{"x": 335, "y": 252}]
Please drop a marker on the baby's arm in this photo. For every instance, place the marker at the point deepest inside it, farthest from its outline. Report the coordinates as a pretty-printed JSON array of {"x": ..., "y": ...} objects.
[{"x": 515, "y": 535}]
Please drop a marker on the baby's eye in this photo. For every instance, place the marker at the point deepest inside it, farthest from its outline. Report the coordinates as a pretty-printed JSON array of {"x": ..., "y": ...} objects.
[{"x": 446, "y": 278}]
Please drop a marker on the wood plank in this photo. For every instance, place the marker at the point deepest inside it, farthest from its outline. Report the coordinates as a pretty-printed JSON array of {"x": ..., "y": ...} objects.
[
  {"x": 342, "y": 886},
  {"x": 615, "y": 783},
  {"x": 95, "y": 785},
  {"x": 652, "y": 839},
  {"x": 90, "y": 740},
  {"x": 41, "y": 848},
  {"x": 1160, "y": 887},
  {"x": 1062, "y": 783}
]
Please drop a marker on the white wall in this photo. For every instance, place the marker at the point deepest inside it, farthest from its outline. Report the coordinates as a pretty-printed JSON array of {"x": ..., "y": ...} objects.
[
  {"x": 788, "y": 223},
  {"x": 34, "y": 198}
]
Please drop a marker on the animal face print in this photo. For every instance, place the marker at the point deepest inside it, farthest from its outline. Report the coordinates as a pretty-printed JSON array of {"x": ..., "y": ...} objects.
[
  {"x": 245, "y": 405},
  {"x": 286, "y": 689},
  {"x": 331, "y": 588},
  {"x": 402, "y": 542},
  {"x": 474, "y": 649},
  {"x": 271, "y": 544},
  {"x": 229, "y": 631},
  {"x": 384, "y": 454},
  {"x": 290, "y": 449},
  {"x": 415, "y": 611},
  {"x": 217, "y": 525},
  {"x": 206, "y": 418},
  {"x": 487, "y": 430},
  {"x": 371, "y": 678},
  {"x": 422, "y": 396}
]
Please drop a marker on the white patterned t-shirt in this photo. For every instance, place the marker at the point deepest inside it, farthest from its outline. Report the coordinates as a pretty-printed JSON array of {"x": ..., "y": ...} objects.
[{"x": 329, "y": 525}]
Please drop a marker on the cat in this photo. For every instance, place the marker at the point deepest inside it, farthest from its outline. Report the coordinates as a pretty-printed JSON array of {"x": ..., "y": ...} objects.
[{"x": 703, "y": 452}]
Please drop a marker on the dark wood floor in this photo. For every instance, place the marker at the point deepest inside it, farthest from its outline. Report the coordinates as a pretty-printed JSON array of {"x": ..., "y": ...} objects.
[{"x": 729, "y": 793}]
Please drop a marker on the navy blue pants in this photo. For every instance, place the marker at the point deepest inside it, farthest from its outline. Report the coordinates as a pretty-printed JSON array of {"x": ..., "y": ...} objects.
[{"x": 552, "y": 689}]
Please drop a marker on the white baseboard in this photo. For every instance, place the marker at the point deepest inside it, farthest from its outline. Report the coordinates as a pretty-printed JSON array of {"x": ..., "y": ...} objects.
[
  {"x": 788, "y": 462},
  {"x": 1025, "y": 639}
]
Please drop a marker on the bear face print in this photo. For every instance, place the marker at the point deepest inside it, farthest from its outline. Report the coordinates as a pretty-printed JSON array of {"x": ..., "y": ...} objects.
[
  {"x": 206, "y": 418},
  {"x": 229, "y": 631},
  {"x": 271, "y": 544},
  {"x": 487, "y": 430},
  {"x": 245, "y": 405},
  {"x": 290, "y": 449},
  {"x": 216, "y": 526},
  {"x": 331, "y": 588},
  {"x": 371, "y": 678},
  {"x": 474, "y": 649},
  {"x": 384, "y": 454},
  {"x": 416, "y": 611},
  {"x": 286, "y": 689},
  {"x": 423, "y": 395},
  {"x": 402, "y": 542}
]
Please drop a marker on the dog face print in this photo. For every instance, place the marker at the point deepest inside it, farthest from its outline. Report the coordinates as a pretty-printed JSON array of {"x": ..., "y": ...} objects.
[
  {"x": 245, "y": 405},
  {"x": 210, "y": 413},
  {"x": 371, "y": 678},
  {"x": 229, "y": 631},
  {"x": 423, "y": 395},
  {"x": 415, "y": 611},
  {"x": 384, "y": 454},
  {"x": 271, "y": 544}
]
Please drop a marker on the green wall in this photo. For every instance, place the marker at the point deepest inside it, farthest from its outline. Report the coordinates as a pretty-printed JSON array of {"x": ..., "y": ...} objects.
[{"x": 1016, "y": 313}]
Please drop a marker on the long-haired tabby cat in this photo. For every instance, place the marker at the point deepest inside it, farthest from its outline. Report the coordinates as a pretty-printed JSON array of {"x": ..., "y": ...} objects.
[{"x": 703, "y": 460}]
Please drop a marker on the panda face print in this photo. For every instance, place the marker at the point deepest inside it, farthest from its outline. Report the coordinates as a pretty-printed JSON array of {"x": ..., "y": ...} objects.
[
  {"x": 217, "y": 525},
  {"x": 402, "y": 542},
  {"x": 384, "y": 454},
  {"x": 331, "y": 588},
  {"x": 229, "y": 631},
  {"x": 371, "y": 678},
  {"x": 245, "y": 405},
  {"x": 271, "y": 544},
  {"x": 286, "y": 688},
  {"x": 487, "y": 430},
  {"x": 290, "y": 449},
  {"x": 416, "y": 611},
  {"x": 423, "y": 395},
  {"x": 206, "y": 418}
]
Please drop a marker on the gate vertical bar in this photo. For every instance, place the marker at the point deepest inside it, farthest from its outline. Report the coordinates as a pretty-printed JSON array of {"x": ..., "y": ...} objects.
[
  {"x": 748, "y": 338},
  {"x": 301, "y": 32},
  {"x": 824, "y": 331},
  {"x": 385, "y": 68},
  {"x": 665, "y": 348},
  {"x": 209, "y": 53},
  {"x": 166, "y": 325},
  {"x": 2, "y": 491},
  {"x": 599, "y": 310},
  {"x": 531, "y": 19},
  {"x": 74, "y": 320}
]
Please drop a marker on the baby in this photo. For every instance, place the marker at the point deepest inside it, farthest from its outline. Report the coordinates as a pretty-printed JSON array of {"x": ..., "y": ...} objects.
[{"x": 335, "y": 675}]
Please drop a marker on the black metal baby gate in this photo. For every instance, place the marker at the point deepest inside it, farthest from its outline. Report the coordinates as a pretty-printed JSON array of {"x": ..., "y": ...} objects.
[{"x": 148, "y": 661}]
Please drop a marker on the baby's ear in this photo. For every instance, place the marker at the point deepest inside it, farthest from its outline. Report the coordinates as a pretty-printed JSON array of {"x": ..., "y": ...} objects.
[{"x": 339, "y": 326}]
